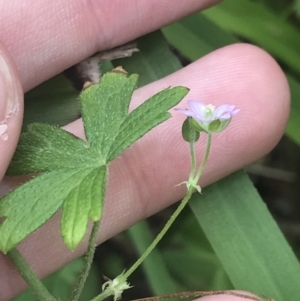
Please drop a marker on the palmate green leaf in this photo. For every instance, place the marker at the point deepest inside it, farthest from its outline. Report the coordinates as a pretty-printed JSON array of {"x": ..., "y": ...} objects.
[
  {"x": 44, "y": 148},
  {"x": 82, "y": 203},
  {"x": 76, "y": 170},
  {"x": 151, "y": 113},
  {"x": 31, "y": 205},
  {"x": 105, "y": 107}
]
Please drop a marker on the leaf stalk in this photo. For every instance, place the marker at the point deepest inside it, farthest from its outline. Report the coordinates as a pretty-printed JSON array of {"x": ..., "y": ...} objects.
[
  {"x": 29, "y": 276},
  {"x": 88, "y": 263}
]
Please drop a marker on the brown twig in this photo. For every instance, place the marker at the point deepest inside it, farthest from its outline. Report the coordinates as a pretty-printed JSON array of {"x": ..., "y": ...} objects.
[{"x": 88, "y": 72}]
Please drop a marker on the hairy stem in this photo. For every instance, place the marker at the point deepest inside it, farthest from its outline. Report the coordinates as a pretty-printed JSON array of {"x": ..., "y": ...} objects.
[
  {"x": 29, "y": 276},
  {"x": 88, "y": 263}
]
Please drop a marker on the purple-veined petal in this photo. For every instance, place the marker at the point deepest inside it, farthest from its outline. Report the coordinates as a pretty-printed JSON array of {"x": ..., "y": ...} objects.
[
  {"x": 186, "y": 112},
  {"x": 235, "y": 112},
  {"x": 198, "y": 108},
  {"x": 204, "y": 115},
  {"x": 224, "y": 111},
  {"x": 220, "y": 110}
]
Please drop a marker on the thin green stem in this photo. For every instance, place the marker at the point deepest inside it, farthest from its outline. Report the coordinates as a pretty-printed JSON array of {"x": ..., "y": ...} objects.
[
  {"x": 160, "y": 235},
  {"x": 29, "y": 276},
  {"x": 204, "y": 160},
  {"x": 105, "y": 294},
  {"x": 193, "y": 160},
  {"x": 193, "y": 178},
  {"x": 180, "y": 207},
  {"x": 178, "y": 210},
  {"x": 88, "y": 263}
]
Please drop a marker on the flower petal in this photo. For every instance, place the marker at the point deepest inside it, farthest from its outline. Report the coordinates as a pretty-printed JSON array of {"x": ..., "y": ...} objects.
[
  {"x": 209, "y": 118},
  {"x": 186, "y": 112},
  {"x": 225, "y": 112},
  {"x": 222, "y": 112},
  {"x": 197, "y": 108}
]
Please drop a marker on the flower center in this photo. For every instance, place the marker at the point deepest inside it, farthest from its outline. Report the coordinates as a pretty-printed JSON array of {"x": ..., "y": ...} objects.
[{"x": 208, "y": 110}]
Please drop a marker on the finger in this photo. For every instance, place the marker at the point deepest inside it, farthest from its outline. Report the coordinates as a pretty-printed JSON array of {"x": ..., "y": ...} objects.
[
  {"x": 54, "y": 35},
  {"x": 142, "y": 179},
  {"x": 11, "y": 109},
  {"x": 242, "y": 75}
]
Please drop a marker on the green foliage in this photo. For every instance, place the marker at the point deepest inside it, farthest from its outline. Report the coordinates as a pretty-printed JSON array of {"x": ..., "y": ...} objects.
[
  {"x": 32, "y": 204},
  {"x": 273, "y": 32},
  {"x": 262, "y": 26},
  {"x": 81, "y": 204},
  {"x": 246, "y": 239},
  {"x": 247, "y": 245},
  {"x": 61, "y": 283},
  {"x": 53, "y": 102},
  {"x": 155, "y": 267},
  {"x": 76, "y": 171}
]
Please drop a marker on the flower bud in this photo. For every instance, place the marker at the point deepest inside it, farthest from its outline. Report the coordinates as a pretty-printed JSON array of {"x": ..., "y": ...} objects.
[{"x": 189, "y": 133}]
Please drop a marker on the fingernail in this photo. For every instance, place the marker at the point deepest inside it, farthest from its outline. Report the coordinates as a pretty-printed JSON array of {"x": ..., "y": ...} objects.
[{"x": 10, "y": 95}]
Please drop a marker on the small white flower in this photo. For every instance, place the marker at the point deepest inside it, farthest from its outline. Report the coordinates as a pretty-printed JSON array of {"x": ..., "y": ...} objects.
[{"x": 210, "y": 118}]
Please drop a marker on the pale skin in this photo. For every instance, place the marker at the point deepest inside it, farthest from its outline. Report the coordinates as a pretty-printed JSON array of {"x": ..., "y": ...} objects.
[{"x": 64, "y": 33}]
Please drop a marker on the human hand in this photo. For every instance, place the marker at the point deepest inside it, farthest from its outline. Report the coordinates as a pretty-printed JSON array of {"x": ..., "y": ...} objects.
[{"x": 43, "y": 42}]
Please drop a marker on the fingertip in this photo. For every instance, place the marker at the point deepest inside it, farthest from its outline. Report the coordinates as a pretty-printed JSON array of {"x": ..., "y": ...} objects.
[
  {"x": 266, "y": 104},
  {"x": 11, "y": 108},
  {"x": 230, "y": 296},
  {"x": 248, "y": 77},
  {"x": 262, "y": 93}
]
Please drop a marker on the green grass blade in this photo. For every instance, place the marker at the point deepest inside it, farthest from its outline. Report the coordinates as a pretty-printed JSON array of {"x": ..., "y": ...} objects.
[
  {"x": 53, "y": 102},
  {"x": 154, "y": 266},
  {"x": 196, "y": 36},
  {"x": 293, "y": 126},
  {"x": 260, "y": 25},
  {"x": 154, "y": 61},
  {"x": 197, "y": 266},
  {"x": 247, "y": 240}
]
